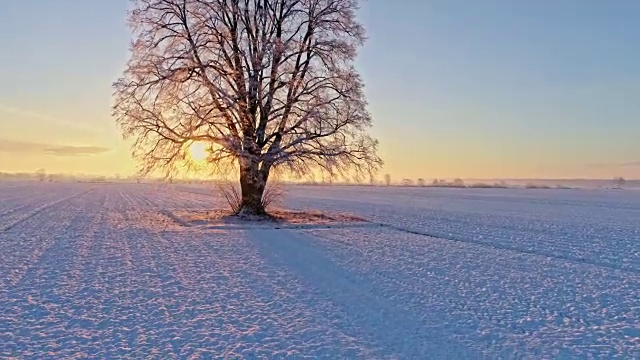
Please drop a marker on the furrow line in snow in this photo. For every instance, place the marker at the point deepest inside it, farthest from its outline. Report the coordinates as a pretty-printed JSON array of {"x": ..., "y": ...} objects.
[
  {"x": 43, "y": 208},
  {"x": 175, "y": 218},
  {"x": 452, "y": 237},
  {"x": 79, "y": 253},
  {"x": 21, "y": 200},
  {"x": 29, "y": 254},
  {"x": 14, "y": 209},
  {"x": 148, "y": 200},
  {"x": 193, "y": 192}
]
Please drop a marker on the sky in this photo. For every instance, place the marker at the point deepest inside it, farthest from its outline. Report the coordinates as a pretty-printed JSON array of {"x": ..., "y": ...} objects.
[{"x": 470, "y": 89}]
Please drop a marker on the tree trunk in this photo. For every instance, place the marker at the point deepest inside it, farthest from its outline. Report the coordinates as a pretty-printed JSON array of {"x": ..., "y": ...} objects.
[{"x": 252, "y": 184}]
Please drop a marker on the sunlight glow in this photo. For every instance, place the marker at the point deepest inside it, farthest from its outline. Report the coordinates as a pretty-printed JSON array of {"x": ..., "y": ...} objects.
[{"x": 198, "y": 151}]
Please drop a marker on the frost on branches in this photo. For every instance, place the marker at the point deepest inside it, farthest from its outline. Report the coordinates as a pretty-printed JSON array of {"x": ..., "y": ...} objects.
[{"x": 266, "y": 83}]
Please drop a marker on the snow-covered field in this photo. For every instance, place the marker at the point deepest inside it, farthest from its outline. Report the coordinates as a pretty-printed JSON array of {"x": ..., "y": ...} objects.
[{"x": 106, "y": 271}]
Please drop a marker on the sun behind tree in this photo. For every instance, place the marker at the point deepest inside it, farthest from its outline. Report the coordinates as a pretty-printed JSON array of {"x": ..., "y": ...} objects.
[
  {"x": 198, "y": 151},
  {"x": 269, "y": 83}
]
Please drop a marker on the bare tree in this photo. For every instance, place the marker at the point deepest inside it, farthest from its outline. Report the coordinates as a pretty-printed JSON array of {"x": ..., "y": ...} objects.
[
  {"x": 41, "y": 174},
  {"x": 457, "y": 183},
  {"x": 264, "y": 83},
  {"x": 407, "y": 182},
  {"x": 387, "y": 179},
  {"x": 421, "y": 182}
]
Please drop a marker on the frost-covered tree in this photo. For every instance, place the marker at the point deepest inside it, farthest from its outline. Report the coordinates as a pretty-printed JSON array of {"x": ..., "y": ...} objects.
[
  {"x": 457, "y": 183},
  {"x": 41, "y": 174},
  {"x": 407, "y": 182},
  {"x": 387, "y": 179},
  {"x": 264, "y": 83}
]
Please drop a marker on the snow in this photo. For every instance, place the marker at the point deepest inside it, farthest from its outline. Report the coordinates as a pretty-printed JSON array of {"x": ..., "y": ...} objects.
[{"x": 117, "y": 270}]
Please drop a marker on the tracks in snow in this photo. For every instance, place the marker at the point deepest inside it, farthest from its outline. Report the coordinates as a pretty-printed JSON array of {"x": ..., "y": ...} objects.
[
  {"x": 437, "y": 235},
  {"x": 565, "y": 257},
  {"x": 433, "y": 234},
  {"x": 42, "y": 208}
]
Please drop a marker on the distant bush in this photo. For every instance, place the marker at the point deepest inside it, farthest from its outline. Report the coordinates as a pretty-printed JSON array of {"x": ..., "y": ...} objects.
[
  {"x": 534, "y": 186},
  {"x": 562, "y": 187},
  {"x": 387, "y": 179},
  {"x": 407, "y": 182},
  {"x": 488, "y": 186},
  {"x": 457, "y": 183},
  {"x": 41, "y": 174},
  {"x": 619, "y": 182},
  {"x": 273, "y": 195}
]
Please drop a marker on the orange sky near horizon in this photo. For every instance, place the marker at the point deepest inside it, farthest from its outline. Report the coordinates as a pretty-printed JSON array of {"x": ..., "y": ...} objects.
[
  {"x": 35, "y": 139},
  {"x": 76, "y": 154},
  {"x": 449, "y": 158}
]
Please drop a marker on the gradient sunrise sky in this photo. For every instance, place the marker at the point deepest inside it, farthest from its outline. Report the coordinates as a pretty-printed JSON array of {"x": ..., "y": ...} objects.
[{"x": 473, "y": 89}]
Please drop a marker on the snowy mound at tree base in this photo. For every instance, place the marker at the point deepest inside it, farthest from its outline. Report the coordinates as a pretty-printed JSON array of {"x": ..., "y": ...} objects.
[{"x": 278, "y": 219}]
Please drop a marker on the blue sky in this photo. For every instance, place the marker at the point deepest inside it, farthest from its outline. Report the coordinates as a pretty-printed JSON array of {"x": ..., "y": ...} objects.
[{"x": 457, "y": 88}]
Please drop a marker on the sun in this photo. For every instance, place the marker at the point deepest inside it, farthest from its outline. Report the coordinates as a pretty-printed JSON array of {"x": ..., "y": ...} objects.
[{"x": 198, "y": 151}]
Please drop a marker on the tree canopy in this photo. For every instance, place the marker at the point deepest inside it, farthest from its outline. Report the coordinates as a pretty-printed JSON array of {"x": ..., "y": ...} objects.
[{"x": 264, "y": 83}]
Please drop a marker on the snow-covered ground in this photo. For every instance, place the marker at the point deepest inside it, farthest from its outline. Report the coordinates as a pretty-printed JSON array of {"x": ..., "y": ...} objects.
[{"x": 106, "y": 271}]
